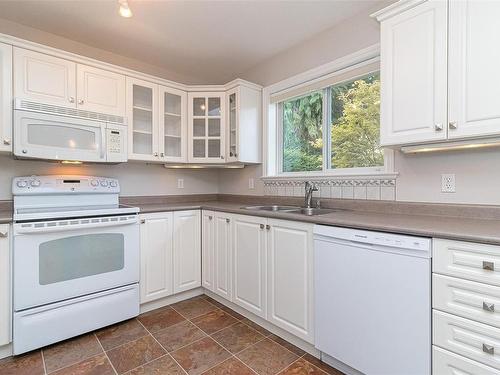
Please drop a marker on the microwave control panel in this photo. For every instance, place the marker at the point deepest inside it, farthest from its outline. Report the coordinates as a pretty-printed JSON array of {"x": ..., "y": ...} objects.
[{"x": 116, "y": 140}]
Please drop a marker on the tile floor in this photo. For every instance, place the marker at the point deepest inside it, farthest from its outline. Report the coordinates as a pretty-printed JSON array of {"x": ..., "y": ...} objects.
[{"x": 196, "y": 336}]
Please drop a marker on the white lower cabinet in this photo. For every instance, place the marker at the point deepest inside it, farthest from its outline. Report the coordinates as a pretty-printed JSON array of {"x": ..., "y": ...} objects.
[
  {"x": 207, "y": 250},
  {"x": 5, "y": 306},
  {"x": 222, "y": 254},
  {"x": 290, "y": 277},
  {"x": 249, "y": 263},
  {"x": 187, "y": 250},
  {"x": 156, "y": 256},
  {"x": 170, "y": 253},
  {"x": 448, "y": 363}
]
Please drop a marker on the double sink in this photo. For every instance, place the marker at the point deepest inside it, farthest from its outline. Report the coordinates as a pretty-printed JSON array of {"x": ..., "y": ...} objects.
[{"x": 292, "y": 209}]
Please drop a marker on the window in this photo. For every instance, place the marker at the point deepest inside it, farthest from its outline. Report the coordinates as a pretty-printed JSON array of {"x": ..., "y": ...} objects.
[{"x": 335, "y": 128}]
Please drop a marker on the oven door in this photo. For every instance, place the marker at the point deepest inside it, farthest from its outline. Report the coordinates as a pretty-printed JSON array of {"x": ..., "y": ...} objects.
[
  {"x": 62, "y": 259},
  {"x": 46, "y": 136}
]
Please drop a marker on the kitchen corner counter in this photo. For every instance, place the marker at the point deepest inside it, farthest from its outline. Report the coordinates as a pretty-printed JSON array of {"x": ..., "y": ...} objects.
[{"x": 455, "y": 228}]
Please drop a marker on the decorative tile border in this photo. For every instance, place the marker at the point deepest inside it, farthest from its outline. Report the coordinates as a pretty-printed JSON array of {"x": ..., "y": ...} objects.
[{"x": 370, "y": 187}]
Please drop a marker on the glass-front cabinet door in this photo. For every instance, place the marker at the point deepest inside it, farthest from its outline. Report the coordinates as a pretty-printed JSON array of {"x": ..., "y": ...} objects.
[
  {"x": 172, "y": 139},
  {"x": 206, "y": 127},
  {"x": 142, "y": 103},
  {"x": 232, "y": 131}
]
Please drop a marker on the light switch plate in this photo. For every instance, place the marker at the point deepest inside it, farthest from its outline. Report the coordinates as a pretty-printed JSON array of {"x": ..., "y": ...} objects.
[
  {"x": 180, "y": 183},
  {"x": 448, "y": 183},
  {"x": 251, "y": 183}
]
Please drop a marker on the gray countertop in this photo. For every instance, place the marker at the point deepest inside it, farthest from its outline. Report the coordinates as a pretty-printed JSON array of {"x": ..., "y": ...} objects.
[{"x": 457, "y": 228}]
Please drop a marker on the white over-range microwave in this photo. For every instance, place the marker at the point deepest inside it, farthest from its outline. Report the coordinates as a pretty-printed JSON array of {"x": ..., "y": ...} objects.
[{"x": 49, "y": 132}]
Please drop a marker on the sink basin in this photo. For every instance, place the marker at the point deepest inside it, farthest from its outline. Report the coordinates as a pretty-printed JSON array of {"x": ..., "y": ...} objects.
[
  {"x": 293, "y": 209},
  {"x": 312, "y": 211},
  {"x": 275, "y": 208}
]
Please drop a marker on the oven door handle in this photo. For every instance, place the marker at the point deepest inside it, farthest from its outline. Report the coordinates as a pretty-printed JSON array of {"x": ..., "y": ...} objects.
[{"x": 69, "y": 225}]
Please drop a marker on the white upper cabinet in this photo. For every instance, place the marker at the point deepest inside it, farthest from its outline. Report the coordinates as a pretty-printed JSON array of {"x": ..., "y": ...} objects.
[
  {"x": 206, "y": 130},
  {"x": 100, "y": 90},
  {"x": 173, "y": 125},
  {"x": 413, "y": 75},
  {"x": 5, "y": 97},
  {"x": 52, "y": 80},
  {"x": 474, "y": 82},
  {"x": 44, "y": 78},
  {"x": 427, "y": 97},
  {"x": 142, "y": 114},
  {"x": 243, "y": 135}
]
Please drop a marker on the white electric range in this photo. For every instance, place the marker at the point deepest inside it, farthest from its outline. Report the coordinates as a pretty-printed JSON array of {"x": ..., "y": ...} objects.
[{"x": 75, "y": 258}]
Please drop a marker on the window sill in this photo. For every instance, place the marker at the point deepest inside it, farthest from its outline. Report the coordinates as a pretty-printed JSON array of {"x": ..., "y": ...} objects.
[{"x": 322, "y": 176}]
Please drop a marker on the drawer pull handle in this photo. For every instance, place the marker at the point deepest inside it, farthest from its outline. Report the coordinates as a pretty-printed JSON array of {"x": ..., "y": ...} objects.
[
  {"x": 490, "y": 266},
  {"x": 490, "y": 349},
  {"x": 488, "y": 306}
]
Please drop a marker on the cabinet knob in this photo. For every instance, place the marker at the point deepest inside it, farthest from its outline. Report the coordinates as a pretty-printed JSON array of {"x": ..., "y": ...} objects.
[
  {"x": 231, "y": 154},
  {"x": 80, "y": 101},
  {"x": 6, "y": 141},
  {"x": 4, "y": 234},
  {"x": 452, "y": 125},
  {"x": 71, "y": 99},
  {"x": 155, "y": 154},
  {"x": 438, "y": 127},
  {"x": 489, "y": 266},
  {"x": 162, "y": 154},
  {"x": 489, "y": 349},
  {"x": 24, "y": 151},
  {"x": 228, "y": 220},
  {"x": 210, "y": 217},
  {"x": 143, "y": 221},
  {"x": 222, "y": 157},
  {"x": 268, "y": 227},
  {"x": 262, "y": 226},
  {"x": 488, "y": 306},
  {"x": 235, "y": 155}
]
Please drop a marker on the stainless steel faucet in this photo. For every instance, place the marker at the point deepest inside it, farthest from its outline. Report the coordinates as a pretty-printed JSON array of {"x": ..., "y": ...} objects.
[{"x": 310, "y": 189}]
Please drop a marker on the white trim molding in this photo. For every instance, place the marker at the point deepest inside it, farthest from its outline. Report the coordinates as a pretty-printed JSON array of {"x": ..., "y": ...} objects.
[{"x": 380, "y": 187}]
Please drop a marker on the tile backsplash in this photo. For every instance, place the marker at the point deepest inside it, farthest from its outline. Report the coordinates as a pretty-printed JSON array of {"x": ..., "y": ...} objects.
[{"x": 335, "y": 187}]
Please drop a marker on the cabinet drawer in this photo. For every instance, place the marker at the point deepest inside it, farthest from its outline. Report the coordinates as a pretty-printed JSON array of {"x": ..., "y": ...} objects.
[
  {"x": 447, "y": 363},
  {"x": 473, "y": 261},
  {"x": 473, "y": 340},
  {"x": 468, "y": 299}
]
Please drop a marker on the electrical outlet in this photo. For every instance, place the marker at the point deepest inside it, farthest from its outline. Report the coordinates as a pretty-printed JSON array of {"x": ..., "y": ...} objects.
[
  {"x": 180, "y": 183},
  {"x": 448, "y": 183},
  {"x": 251, "y": 183}
]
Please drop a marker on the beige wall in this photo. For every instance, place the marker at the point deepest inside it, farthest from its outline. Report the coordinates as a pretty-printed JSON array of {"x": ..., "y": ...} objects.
[
  {"x": 55, "y": 41},
  {"x": 135, "y": 178}
]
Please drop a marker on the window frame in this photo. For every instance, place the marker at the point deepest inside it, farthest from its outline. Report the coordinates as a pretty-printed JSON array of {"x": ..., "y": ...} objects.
[{"x": 273, "y": 124}]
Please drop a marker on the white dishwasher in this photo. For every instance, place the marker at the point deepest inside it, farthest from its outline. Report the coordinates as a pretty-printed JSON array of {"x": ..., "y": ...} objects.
[{"x": 373, "y": 300}]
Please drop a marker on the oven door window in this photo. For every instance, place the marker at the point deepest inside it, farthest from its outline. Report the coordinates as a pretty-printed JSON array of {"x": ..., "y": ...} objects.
[{"x": 80, "y": 256}]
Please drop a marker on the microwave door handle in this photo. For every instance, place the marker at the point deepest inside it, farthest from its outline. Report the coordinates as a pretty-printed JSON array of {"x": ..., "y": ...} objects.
[{"x": 103, "y": 141}]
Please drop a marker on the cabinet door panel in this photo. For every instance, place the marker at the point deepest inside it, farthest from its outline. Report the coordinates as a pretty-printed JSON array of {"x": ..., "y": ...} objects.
[
  {"x": 222, "y": 254},
  {"x": 156, "y": 256},
  {"x": 249, "y": 263},
  {"x": 187, "y": 250},
  {"x": 413, "y": 75},
  {"x": 5, "y": 298},
  {"x": 206, "y": 129},
  {"x": 5, "y": 97},
  {"x": 207, "y": 249},
  {"x": 474, "y": 83},
  {"x": 142, "y": 114},
  {"x": 100, "y": 90},
  {"x": 173, "y": 125},
  {"x": 290, "y": 277},
  {"x": 44, "y": 78}
]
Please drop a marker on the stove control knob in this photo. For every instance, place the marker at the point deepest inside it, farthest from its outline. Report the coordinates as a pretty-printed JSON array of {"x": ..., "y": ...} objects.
[
  {"x": 35, "y": 183},
  {"x": 94, "y": 183},
  {"x": 113, "y": 184},
  {"x": 104, "y": 183},
  {"x": 21, "y": 184}
]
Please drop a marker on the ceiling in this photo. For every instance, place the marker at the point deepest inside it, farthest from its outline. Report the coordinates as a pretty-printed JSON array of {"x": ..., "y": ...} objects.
[{"x": 211, "y": 41}]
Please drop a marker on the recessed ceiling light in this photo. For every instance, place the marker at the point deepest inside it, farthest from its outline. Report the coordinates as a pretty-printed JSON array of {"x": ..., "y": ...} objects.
[{"x": 124, "y": 9}]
